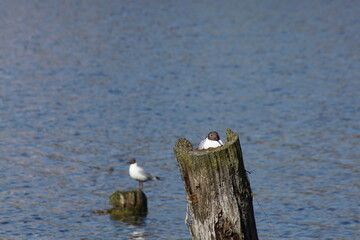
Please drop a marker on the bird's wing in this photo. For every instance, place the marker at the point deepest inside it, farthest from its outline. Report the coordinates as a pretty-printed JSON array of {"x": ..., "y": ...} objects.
[{"x": 144, "y": 173}]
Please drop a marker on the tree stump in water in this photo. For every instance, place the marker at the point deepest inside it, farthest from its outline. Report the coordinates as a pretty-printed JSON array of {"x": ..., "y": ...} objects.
[
  {"x": 133, "y": 202},
  {"x": 218, "y": 190}
]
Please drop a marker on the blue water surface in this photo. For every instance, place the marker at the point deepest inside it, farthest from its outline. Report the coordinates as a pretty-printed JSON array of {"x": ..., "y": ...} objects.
[{"x": 87, "y": 85}]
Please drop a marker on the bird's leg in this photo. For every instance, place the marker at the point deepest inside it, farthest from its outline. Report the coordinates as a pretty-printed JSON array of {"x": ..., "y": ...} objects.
[{"x": 140, "y": 185}]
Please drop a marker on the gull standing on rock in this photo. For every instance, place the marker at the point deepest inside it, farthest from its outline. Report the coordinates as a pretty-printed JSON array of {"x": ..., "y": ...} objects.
[
  {"x": 211, "y": 141},
  {"x": 139, "y": 174}
]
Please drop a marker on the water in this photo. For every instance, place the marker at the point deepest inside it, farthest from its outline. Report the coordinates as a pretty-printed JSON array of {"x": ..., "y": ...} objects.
[{"x": 88, "y": 85}]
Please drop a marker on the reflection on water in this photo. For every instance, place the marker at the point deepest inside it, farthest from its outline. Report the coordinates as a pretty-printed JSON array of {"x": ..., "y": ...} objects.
[
  {"x": 131, "y": 220},
  {"x": 86, "y": 83},
  {"x": 135, "y": 224}
]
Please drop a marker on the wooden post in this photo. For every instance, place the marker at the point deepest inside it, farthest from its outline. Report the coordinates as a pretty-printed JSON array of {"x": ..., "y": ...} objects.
[
  {"x": 133, "y": 202},
  {"x": 218, "y": 191}
]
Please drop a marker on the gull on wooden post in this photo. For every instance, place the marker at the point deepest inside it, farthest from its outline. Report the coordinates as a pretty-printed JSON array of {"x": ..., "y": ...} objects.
[
  {"x": 139, "y": 174},
  {"x": 211, "y": 141}
]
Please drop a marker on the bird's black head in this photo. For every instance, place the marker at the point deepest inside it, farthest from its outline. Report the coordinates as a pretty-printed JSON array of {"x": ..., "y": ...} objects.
[
  {"x": 213, "y": 136},
  {"x": 131, "y": 161}
]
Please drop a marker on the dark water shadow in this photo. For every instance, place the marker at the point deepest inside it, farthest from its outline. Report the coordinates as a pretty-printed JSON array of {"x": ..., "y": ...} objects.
[{"x": 137, "y": 221}]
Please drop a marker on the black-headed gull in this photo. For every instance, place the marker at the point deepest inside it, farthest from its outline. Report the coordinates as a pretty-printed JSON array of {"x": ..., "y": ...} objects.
[
  {"x": 139, "y": 174},
  {"x": 211, "y": 141}
]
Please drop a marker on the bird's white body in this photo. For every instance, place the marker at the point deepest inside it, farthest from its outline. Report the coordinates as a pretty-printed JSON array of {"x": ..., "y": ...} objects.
[
  {"x": 207, "y": 143},
  {"x": 139, "y": 174}
]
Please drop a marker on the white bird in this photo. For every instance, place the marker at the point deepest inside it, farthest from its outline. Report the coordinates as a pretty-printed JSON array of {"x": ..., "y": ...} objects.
[
  {"x": 211, "y": 141},
  {"x": 139, "y": 174}
]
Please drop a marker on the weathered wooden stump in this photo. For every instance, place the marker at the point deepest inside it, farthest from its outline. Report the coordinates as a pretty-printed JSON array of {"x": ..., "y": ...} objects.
[
  {"x": 218, "y": 190},
  {"x": 133, "y": 202}
]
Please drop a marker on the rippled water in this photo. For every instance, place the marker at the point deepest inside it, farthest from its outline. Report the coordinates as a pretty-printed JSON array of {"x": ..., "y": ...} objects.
[{"x": 87, "y": 85}]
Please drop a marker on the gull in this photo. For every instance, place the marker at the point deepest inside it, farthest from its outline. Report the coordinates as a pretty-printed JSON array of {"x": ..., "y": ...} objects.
[
  {"x": 139, "y": 174},
  {"x": 211, "y": 141}
]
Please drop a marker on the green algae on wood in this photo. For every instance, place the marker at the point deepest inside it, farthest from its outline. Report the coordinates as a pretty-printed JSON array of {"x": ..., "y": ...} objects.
[
  {"x": 133, "y": 202},
  {"x": 217, "y": 189}
]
